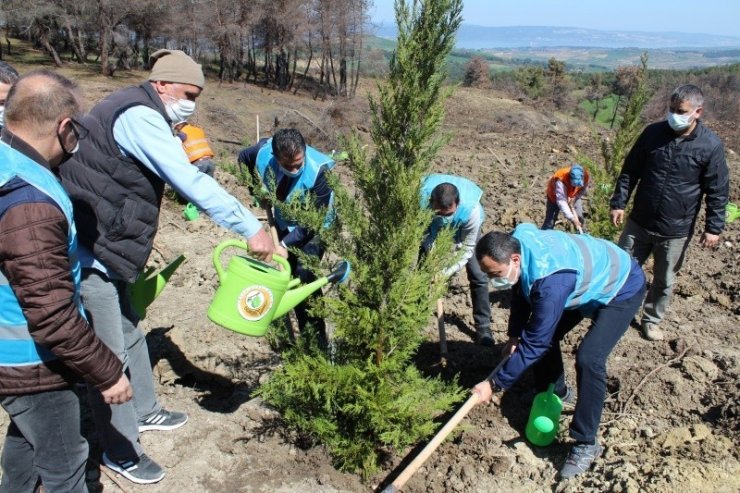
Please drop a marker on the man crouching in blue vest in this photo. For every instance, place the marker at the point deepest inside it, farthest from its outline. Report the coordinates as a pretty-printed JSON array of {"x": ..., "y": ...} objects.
[
  {"x": 288, "y": 167},
  {"x": 456, "y": 204},
  {"x": 557, "y": 280}
]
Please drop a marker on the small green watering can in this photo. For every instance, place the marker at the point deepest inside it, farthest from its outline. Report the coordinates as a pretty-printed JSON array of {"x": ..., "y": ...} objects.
[
  {"x": 252, "y": 293},
  {"x": 147, "y": 287},
  {"x": 732, "y": 212},
  {"x": 544, "y": 418}
]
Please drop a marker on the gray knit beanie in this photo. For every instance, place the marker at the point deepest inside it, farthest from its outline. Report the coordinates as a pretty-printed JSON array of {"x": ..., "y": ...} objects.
[{"x": 175, "y": 66}]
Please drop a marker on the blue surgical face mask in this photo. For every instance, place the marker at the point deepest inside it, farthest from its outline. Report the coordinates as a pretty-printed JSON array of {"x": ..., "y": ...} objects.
[
  {"x": 501, "y": 283},
  {"x": 679, "y": 123},
  {"x": 293, "y": 174}
]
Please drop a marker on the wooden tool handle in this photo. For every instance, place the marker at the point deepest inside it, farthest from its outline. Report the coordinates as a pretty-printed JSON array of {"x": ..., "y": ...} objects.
[
  {"x": 435, "y": 442},
  {"x": 273, "y": 229},
  {"x": 441, "y": 327}
]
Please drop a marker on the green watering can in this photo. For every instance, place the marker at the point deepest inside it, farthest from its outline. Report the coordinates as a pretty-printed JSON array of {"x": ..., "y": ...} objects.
[
  {"x": 544, "y": 418},
  {"x": 147, "y": 287},
  {"x": 732, "y": 212},
  {"x": 252, "y": 293}
]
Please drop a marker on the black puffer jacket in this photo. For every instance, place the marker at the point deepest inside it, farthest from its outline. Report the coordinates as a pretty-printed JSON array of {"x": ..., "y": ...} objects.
[{"x": 671, "y": 176}]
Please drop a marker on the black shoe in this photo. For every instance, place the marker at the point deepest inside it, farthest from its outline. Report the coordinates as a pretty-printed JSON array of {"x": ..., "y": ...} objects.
[
  {"x": 484, "y": 337},
  {"x": 569, "y": 399}
]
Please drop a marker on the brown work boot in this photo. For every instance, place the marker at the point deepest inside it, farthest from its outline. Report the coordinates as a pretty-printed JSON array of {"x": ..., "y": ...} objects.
[{"x": 651, "y": 332}]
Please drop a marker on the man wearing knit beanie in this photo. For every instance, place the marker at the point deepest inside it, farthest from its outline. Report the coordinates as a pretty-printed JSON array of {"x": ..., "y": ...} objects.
[{"x": 116, "y": 182}]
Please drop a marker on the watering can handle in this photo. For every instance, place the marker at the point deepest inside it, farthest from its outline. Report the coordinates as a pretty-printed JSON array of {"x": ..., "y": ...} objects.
[{"x": 242, "y": 245}]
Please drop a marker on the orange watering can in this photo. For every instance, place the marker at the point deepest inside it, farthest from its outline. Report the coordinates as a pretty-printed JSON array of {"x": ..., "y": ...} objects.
[{"x": 251, "y": 293}]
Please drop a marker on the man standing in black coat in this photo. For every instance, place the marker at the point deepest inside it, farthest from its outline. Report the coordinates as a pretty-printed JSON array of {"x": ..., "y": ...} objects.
[{"x": 674, "y": 163}]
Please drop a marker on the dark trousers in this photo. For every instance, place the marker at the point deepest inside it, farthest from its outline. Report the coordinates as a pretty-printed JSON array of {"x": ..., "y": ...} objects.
[
  {"x": 609, "y": 324},
  {"x": 301, "y": 309},
  {"x": 479, "y": 294},
  {"x": 43, "y": 443}
]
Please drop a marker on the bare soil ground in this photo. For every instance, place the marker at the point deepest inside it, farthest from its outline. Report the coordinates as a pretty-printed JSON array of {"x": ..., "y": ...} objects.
[{"x": 672, "y": 418}]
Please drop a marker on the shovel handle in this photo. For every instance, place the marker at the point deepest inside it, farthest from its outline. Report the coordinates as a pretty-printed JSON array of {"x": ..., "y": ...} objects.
[
  {"x": 273, "y": 229},
  {"x": 434, "y": 443},
  {"x": 442, "y": 333},
  {"x": 396, "y": 485}
]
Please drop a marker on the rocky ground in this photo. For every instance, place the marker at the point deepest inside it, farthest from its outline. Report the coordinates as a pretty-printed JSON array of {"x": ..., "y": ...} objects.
[{"x": 672, "y": 417}]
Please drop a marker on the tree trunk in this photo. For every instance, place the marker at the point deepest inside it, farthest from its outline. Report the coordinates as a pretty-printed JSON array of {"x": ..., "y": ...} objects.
[
  {"x": 73, "y": 40},
  {"x": 616, "y": 110},
  {"x": 308, "y": 65},
  {"x": 44, "y": 40}
]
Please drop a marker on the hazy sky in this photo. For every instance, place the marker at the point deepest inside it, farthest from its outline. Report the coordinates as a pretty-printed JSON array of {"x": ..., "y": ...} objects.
[{"x": 689, "y": 16}]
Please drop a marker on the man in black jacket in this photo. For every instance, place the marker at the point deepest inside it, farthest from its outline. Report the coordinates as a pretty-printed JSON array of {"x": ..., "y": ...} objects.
[{"x": 674, "y": 163}]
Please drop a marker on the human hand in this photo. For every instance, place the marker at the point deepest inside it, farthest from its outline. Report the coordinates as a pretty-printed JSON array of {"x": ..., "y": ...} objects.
[
  {"x": 261, "y": 245},
  {"x": 119, "y": 393},
  {"x": 708, "y": 240},
  {"x": 281, "y": 251},
  {"x": 510, "y": 347},
  {"x": 484, "y": 391},
  {"x": 617, "y": 216}
]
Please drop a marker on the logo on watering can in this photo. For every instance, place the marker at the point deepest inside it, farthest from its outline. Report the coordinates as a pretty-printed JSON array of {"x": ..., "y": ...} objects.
[{"x": 254, "y": 302}]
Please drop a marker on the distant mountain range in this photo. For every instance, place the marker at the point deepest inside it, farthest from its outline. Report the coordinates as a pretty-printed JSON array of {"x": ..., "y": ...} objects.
[{"x": 474, "y": 37}]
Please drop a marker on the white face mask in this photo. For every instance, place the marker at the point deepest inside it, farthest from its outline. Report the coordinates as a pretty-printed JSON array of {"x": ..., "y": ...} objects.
[
  {"x": 293, "y": 174},
  {"x": 679, "y": 123},
  {"x": 2, "y": 115},
  {"x": 179, "y": 110},
  {"x": 501, "y": 283}
]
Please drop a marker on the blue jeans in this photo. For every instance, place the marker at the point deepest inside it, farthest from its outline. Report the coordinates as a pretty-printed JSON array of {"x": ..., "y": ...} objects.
[
  {"x": 609, "y": 324},
  {"x": 206, "y": 166},
  {"x": 108, "y": 308},
  {"x": 668, "y": 255},
  {"x": 43, "y": 443},
  {"x": 552, "y": 211}
]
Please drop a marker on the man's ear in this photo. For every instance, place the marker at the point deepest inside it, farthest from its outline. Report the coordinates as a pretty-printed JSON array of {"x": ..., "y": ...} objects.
[
  {"x": 517, "y": 257},
  {"x": 699, "y": 111},
  {"x": 160, "y": 86}
]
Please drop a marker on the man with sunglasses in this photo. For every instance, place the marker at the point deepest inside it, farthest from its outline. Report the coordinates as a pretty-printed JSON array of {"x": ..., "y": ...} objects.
[
  {"x": 456, "y": 204},
  {"x": 116, "y": 183},
  {"x": 289, "y": 169},
  {"x": 46, "y": 345}
]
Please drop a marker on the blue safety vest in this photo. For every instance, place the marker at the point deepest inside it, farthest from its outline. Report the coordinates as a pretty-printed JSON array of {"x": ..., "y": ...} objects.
[
  {"x": 601, "y": 267},
  {"x": 17, "y": 348},
  {"x": 271, "y": 173}
]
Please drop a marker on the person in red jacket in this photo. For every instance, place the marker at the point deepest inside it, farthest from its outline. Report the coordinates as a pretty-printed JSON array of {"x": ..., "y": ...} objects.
[
  {"x": 564, "y": 192},
  {"x": 46, "y": 345}
]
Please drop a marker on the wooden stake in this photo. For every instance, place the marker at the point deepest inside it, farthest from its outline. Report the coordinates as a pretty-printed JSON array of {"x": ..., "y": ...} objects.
[
  {"x": 258, "y": 128},
  {"x": 442, "y": 334}
]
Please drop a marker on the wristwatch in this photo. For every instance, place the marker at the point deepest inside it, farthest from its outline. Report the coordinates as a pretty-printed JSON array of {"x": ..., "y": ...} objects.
[{"x": 494, "y": 386}]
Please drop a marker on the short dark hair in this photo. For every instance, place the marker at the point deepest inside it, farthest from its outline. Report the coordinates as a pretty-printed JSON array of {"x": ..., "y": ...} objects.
[
  {"x": 8, "y": 75},
  {"x": 689, "y": 93},
  {"x": 499, "y": 246},
  {"x": 40, "y": 105},
  {"x": 287, "y": 143},
  {"x": 444, "y": 196}
]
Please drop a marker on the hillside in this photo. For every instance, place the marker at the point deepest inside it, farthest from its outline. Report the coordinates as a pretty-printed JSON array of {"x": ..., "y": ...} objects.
[{"x": 672, "y": 418}]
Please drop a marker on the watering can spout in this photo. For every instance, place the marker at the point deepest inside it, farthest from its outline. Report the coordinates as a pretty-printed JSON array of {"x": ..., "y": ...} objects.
[
  {"x": 148, "y": 287},
  {"x": 296, "y": 295}
]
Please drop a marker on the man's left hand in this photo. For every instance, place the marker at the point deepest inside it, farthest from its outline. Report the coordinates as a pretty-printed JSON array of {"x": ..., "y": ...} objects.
[{"x": 708, "y": 240}]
